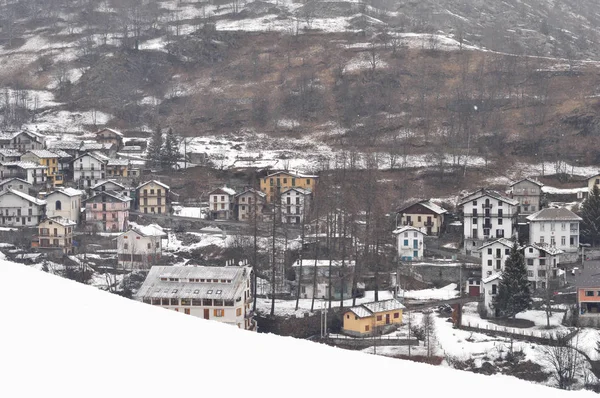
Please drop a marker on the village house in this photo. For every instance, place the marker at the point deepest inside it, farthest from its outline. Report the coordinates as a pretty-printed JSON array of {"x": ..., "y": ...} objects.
[
  {"x": 373, "y": 318},
  {"x": 494, "y": 255},
  {"x": 110, "y": 136},
  {"x": 65, "y": 164},
  {"x": 295, "y": 205},
  {"x": 56, "y": 233},
  {"x": 109, "y": 150},
  {"x": 140, "y": 246},
  {"x": 249, "y": 204},
  {"x": 220, "y": 294},
  {"x": 10, "y": 155},
  {"x": 587, "y": 284},
  {"x": 65, "y": 203},
  {"x": 341, "y": 278},
  {"x": 16, "y": 184},
  {"x": 490, "y": 286},
  {"x": 593, "y": 181},
  {"x": 112, "y": 185},
  {"x": 425, "y": 215},
  {"x": 45, "y": 158},
  {"x": 409, "y": 243},
  {"x": 18, "y": 209},
  {"x": 221, "y": 202},
  {"x": 557, "y": 227},
  {"x": 107, "y": 211},
  {"x": 117, "y": 168},
  {"x": 89, "y": 169},
  {"x": 33, "y": 173},
  {"x": 22, "y": 141},
  {"x": 276, "y": 183},
  {"x": 528, "y": 193},
  {"x": 153, "y": 197},
  {"x": 71, "y": 148},
  {"x": 487, "y": 215},
  {"x": 542, "y": 266}
]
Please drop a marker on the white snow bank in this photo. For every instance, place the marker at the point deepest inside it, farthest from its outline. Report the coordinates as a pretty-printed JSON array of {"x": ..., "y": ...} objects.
[
  {"x": 80, "y": 316},
  {"x": 444, "y": 293}
]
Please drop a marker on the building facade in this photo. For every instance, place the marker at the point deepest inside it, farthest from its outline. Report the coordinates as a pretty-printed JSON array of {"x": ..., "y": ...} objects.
[
  {"x": 107, "y": 211},
  {"x": 153, "y": 197},
  {"x": 18, "y": 209},
  {"x": 528, "y": 194},
  {"x": 65, "y": 203},
  {"x": 494, "y": 255},
  {"x": 341, "y": 278},
  {"x": 556, "y": 227},
  {"x": 110, "y": 136},
  {"x": 140, "y": 246},
  {"x": 221, "y": 202},
  {"x": 16, "y": 184},
  {"x": 409, "y": 243},
  {"x": 56, "y": 233},
  {"x": 221, "y": 294},
  {"x": 48, "y": 159},
  {"x": 425, "y": 215},
  {"x": 372, "y": 318},
  {"x": 249, "y": 204},
  {"x": 295, "y": 205},
  {"x": 487, "y": 215},
  {"x": 274, "y": 184},
  {"x": 89, "y": 169},
  {"x": 31, "y": 172}
]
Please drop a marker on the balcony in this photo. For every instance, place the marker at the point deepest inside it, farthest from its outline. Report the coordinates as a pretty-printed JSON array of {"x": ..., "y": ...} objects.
[
  {"x": 486, "y": 206},
  {"x": 53, "y": 236},
  {"x": 428, "y": 224},
  {"x": 487, "y": 226},
  {"x": 410, "y": 223}
]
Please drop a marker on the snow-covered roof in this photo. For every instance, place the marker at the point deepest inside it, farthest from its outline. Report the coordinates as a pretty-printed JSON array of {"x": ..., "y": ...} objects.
[
  {"x": 107, "y": 181},
  {"x": 554, "y": 214},
  {"x": 61, "y": 153},
  {"x": 487, "y": 192},
  {"x": 302, "y": 191},
  {"x": 111, "y": 130},
  {"x": 225, "y": 190},
  {"x": 536, "y": 182},
  {"x": 65, "y": 145},
  {"x": 24, "y": 165},
  {"x": 307, "y": 262},
  {"x": 91, "y": 315},
  {"x": 491, "y": 278},
  {"x": 221, "y": 283},
  {"x": 503, "y": 241},
  {"x": 98, "y": 156},
  {"x": 545, "y": 247},
  {"x": 131, "y": 148},
  {"x": 427, "y": 204},
  {"x": 368, "y": 309},
  {"x": 113, "y": 194},
  {"x": 147, "y": 230},
  {"x": 292, "y": 173},
  {"x": 13, "y": 179},
  {"x": 10, "y": 152},
  {"x": 252, "y": 191},
  {"x": 118, "y": 162},
  {"x": 42, "y": 153},
  {"x": 22, "y": 195},
  {"x": 92, "y": 146},
  {"x": 154, "y": 181},
  {"x": 407, "y": 228},
  {"x": 65, "y": 222},
  {"x": 70, "y": 192}
]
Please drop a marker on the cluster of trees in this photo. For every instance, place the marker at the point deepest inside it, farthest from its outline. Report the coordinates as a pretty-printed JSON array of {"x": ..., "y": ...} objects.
[{"x": 163, "y": 151}]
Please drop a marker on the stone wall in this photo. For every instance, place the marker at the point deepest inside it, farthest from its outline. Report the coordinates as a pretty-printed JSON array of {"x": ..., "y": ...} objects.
[{"x": 307, "y": 326}]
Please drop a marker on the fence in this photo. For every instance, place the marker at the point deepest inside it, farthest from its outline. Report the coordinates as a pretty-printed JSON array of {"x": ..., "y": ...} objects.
[
  {"x": 533, "y": 336},
  {"x": 364, "y": 342}
]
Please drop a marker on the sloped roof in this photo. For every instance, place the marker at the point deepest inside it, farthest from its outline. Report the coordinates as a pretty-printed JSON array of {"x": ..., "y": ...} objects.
[
  {"x": 113, "y": 194},
  {"x": 252, "y": 191},
  {"x": 98, "y": 156},
  {"x": 42, "y": 153},
  {"x": 527, "y": 179},
  {"x": 226, "y": 190},
  {"x": 28, "y": 198},
  {"x": 545, "y": 247},
  {"x": 427, "y": 204},
  {"x": 147, "y": 230},
  {"x": 10, "y": 152},
  {"x": 308, "y": 262},
  {"x": 554, "y": 214},
  {"x": 506, "y": 242},
  {"x": 292, "y": 173},
  {"x": 61, "y": 153},
  {"x": 111, "y": 130},
  {"x": 487, "y": 192},
  {"x": 107, "y": 181},
  {"x": 25, "y": 165},
  {"x": 406, "y": 229},
  {"x": 70, "y": 192},
  {"x": 65, "y": 222},
  {"x": 118, "y": 162},
  {"x": 368, "y": 309},
  {"x": 491, "y": 278},
  {"x": 303, "y": 191},
  {"x": 154, "y": 181},
  {"x": 65, "y": 145},
  {"x": 12, "y": 179}
]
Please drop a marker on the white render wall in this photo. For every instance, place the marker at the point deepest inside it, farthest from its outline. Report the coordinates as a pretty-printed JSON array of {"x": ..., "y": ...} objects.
[
  {"x": 137, "y": 245},
  {"x": 294, "y": 206},
  {"x": 70, "y": 206},
  {"x": 549, "y": 270},
  {"x": 10, "y": 204},
  {"x": 82, "y": 170},
  {"x": 405, "y": 243},
  {"x": 563, "y": 235},
  {"x": 492, "y": 261}
]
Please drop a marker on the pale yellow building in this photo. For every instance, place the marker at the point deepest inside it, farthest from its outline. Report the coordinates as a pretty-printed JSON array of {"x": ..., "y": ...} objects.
[
  {"x": 594, "y": 180},
  {"x": 276, "y": 183},
  {"x": 152, "y": 197},
  {"x": 376, "y": 317},
  {"x": 55, "y": 233}
]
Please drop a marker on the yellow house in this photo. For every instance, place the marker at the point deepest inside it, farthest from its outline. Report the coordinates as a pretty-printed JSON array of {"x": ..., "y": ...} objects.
[
  {"x": 55, "y": 233},
  {"x": 425, "y": 216},
  {"x": 374, "y": 317},
  {"x": 117, "y": 168},
  {"x": 45, "y": 158},
  {"x": 152, "y": 197},
  {"x": 276, "y": 183}
]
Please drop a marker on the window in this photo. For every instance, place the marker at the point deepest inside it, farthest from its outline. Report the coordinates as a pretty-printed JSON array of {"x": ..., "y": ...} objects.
[
  {"x": 542, "y": 273},
  {"x": 174, "y": 301},
  {"x": 531, "y": 250},
  {"x": 530, "y": 274},
  {"x": 542, "y": 226},
  {"x": 529, "y": 261},
  {"x": 218, "y": 313},
  {"x": 308, "y": 182},
  {"x": 58, "y": 205},
  {"x": 474, "y": 203},
  {"x": 541, "y": 239},
  {"x": 366, "y": 328},
  {"x": 588, "y": 293},
  {"x": 396, "y": 315},
  {"x": 563, "y": 226},
  {"x": 379, "y": 318},
  {"x": 507, "y": 252},
  {"x": 552, "y": 226},
  {"x": 489, "y": 263},
  {"x": 499, "y": 220},
  {"x": 489, "y": 250},
  {"x": 542, "y": 261},
  {"x": 405, "y": 242},
  {"x": 494, "y": 289},
  {"x": 419, "y": 218},
  {"x": 238, "y": 312},
  {"x": 186, "y": 301},
  {"x": 149, "y": 246},
  {"x": 498, "y": 264},
  {"x": 563, "y": 240},
  {"x": 125, "y": 246}
]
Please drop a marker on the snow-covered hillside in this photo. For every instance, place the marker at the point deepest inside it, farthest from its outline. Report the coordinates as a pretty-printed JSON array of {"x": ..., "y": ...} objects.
[{"x": 61, "y": 338}]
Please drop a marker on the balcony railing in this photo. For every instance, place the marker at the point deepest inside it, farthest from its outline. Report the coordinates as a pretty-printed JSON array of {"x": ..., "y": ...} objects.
[
  {"x": 428, "y": 224},
  {"x": 484, "y": 206},
  {"x": 407, "y": 223}
]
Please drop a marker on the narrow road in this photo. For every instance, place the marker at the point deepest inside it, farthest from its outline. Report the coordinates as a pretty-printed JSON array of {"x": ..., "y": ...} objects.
[{"x": 432, "y": 304}]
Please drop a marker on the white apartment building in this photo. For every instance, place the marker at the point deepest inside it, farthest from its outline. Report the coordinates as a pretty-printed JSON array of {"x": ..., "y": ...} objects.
[
  {"x": 17, "y": 209},
  {"x": 409, "y": 243},
  {"x": 556, "y": 227},
  {"x": 89, "y": 169},
  {"x": 221, "y": 203},
  {"x": 65, "y": 203},
  {"x": 220, "y": 294},
  {"x": 487, "y": 215},
  {"x": 542, "y": 265},
  {"x": 249, "y": 202},
  {"x": 528, "y": 193},
  {"x": 16, "y": 184},
  {"x": 295, "y": 205},
  {"x": 494, "y": 255}
]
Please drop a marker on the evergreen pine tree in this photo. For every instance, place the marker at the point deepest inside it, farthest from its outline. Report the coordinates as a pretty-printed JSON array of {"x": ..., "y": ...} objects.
[
  {"x": 513, "y": 291},
  {"x": 155, "y": 147},
  {"x": 170, "y": 154},
  {"x": 590, "y": 213}
]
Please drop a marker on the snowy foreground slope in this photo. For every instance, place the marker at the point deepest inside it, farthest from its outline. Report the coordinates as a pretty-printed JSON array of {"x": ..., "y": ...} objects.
[{"x": 61, "y": 338}]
